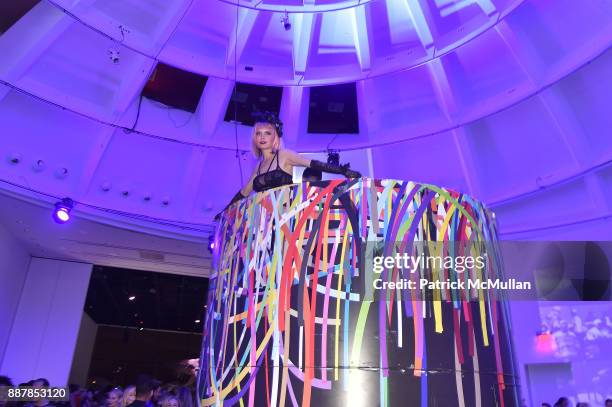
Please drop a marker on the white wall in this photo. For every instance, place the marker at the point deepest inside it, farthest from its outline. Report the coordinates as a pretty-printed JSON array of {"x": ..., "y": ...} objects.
[
  {"x": 14, "y": 261},
  {"x": 44, "y": 334}
]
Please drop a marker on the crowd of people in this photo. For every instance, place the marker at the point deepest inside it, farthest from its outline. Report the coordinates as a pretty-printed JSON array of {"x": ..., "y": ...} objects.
[
  {"x": 149, "y": 392},
  {"x": 146, "y": 392},
  {"x": 578, "y": 333},
  {"x": 564, "y": 402}
]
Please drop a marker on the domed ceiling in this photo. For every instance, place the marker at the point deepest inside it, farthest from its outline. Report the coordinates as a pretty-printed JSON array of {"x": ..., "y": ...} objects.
[{"x": 130, "y": 108}]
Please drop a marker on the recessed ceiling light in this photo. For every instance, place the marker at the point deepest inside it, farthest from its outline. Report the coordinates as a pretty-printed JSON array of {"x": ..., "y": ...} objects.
[
  {"x": 38, "y": 165},
  {"x": 61, "y": 172},
  {"x": 14, "y": 158}
]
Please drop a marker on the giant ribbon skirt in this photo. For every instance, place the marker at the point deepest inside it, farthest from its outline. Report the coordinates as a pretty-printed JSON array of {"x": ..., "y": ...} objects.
[{"x": 288, "y": 322}]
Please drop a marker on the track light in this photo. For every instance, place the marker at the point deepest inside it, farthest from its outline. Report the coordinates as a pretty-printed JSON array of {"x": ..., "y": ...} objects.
[
  {"x": 333, "y": 157},
  {"x": 61, "y": 213}
]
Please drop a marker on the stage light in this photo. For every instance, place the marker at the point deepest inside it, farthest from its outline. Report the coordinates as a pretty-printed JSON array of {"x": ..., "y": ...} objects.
[
  {"x": 197, "y": 321},
  {"x": 132, "y": 298},
  {"x": 333, "y": 157},
  {"x": 61, "y": 213},
  {"x": 211, "y": 243}
]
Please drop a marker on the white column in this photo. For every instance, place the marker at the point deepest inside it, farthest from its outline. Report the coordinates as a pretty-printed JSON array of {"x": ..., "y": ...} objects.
[
  {"x": 14, "y": 261},
  {"x": 46, "y": 326}
]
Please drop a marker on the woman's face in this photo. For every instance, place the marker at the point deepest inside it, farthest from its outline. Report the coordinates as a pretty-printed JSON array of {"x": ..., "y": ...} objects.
[
  {"x": 172, "y": 402},
  {"x": 130, "y": 396},
  {"x": 265, "y": 136},
  {"x": 113, "y": 399}
]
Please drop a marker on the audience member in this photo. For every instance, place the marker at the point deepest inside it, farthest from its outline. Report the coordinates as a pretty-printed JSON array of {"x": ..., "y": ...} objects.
[
  {"x": 129, "y": 395},
  {"x": 144, "y": 392},
  {"x": 170, "y": 401},
  {"x": 114, "y": 398}
]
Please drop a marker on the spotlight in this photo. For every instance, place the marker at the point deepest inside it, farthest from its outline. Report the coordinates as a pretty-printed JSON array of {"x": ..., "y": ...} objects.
[
  {"x": 285, "y": 21},
  {"x": 211, "y": 243},
  {"x": 61, "y": 214},
  {"x": 197, "y": 321},
  {"x": 132, "y": 298}
]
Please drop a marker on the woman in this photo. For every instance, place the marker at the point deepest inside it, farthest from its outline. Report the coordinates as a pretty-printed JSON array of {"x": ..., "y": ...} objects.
[
  {"x": 113, "y": 398},
  {"x": 129, "y": 395},
  {"x": 170, "y": 401},
  {"x": 276, "y": 164}
]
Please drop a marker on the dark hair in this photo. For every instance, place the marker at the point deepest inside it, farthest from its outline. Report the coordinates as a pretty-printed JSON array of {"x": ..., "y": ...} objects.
[
  {"x": 144, "y": 388},
  {"x": 5, "y": 381},
  {"x": 44, "y": 381},
  {"x": 269, "y": 117},
  {"x": 561, "y": 401}
]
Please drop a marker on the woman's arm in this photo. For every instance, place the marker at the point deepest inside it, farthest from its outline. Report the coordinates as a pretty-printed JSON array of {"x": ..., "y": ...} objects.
[
  {"x": 293, "y": 158},
  {"x": 241, "y": 194}
]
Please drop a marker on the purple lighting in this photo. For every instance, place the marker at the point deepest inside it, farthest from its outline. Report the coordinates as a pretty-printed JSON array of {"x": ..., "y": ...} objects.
[{"x": 61, "y": 213}]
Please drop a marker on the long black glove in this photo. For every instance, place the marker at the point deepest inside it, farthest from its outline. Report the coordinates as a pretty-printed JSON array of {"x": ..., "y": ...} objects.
[
  {"x": 236, "y": 198},
  {"x": 334, "y": 169}
]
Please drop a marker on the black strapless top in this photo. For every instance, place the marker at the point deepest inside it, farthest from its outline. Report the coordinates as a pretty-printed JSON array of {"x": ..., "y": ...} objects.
[{"x": 271, "y": 179}]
